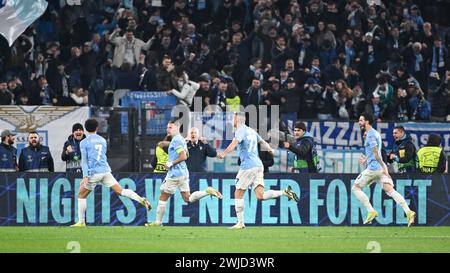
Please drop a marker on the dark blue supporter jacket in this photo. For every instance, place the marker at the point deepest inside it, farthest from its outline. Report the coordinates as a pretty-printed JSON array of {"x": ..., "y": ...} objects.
[
  {"x": 36, "y": 159},
  {"x": 8, "y": 158},
  {"x": 196, "y": 161},
  {"x": 73, "y": 160}
]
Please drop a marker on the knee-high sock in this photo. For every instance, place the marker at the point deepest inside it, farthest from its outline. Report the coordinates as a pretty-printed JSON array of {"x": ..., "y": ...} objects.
[
  {"x": 197, "y": 195},
  {"x": 271, "y": 194},
  {"x": 131, "y": 194},
  {"x": 362, "y": 197},
  {"x": 81, "y": 210},
  {"x": 399, "y": 199},
  {"x": 239, "y": 207},
  {"x": 160, "y": 211}
]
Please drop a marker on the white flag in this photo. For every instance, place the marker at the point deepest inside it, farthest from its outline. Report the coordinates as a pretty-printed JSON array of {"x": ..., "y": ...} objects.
[{"x": 17, "y": 15}]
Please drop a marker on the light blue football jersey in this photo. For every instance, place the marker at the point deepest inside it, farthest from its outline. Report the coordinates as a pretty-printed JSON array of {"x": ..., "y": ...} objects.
[
  {"x": 93, "y": 155},
  {"x": 177, "y": 145},
  {"x": 248, "y": 140},
  {"x": 373, "y": 139}
]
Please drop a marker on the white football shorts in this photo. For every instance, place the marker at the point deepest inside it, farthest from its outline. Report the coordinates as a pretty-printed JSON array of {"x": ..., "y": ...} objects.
[
  {"x": 170, "y": 185},
  {"x": 250, "y": 178},
  {"x": 107, "y": 179}
]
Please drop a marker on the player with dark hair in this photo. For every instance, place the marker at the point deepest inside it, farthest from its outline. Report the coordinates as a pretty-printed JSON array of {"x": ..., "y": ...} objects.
[
  {"x": 376, "y": 171},
  {"x": 96, "y": 170}
]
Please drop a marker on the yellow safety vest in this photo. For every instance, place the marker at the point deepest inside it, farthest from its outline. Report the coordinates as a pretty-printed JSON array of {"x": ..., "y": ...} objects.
[
  {"x": 429, "y": 158},
  {"x": 233, "y": 103},
  {"x": 161, "y": 158}
]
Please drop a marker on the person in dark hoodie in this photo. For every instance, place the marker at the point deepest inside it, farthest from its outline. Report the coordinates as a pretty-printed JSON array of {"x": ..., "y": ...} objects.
[
  {"x": 71, "y": 151},
  {"x": 307, "y": 160},
  {"x": 403, "y": 151}
]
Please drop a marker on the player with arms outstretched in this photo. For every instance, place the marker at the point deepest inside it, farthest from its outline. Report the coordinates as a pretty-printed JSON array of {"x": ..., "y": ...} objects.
[
  {"x": 178, "y": 175},
  {"x": 96, "y": 170},
  {"x": 251, "y": 171},
  {"x": 376, "y": 171}
]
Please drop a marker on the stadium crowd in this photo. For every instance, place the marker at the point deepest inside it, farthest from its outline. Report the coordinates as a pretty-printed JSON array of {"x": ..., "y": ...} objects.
[{"x": 317, "y": 59}]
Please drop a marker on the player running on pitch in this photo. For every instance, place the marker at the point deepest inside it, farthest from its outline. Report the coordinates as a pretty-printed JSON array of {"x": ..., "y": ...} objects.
[
  {"x": 96, "y": 170},
  {"x": 178, "y": 175},
  {"x": 376, "y": 171},
  {"x": 251, "y": 171}
]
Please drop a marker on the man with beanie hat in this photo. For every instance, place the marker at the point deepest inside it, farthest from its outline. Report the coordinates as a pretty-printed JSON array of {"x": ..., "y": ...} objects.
[
  {"x": 71, "y": 151},
  {"x": 307, "y": 160}
]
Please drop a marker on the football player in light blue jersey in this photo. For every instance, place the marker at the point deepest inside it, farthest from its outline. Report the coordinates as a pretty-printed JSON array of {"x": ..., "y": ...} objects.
[
  {"x": 376, "y": 171},
  {"x": 96, "y": 170},
  {"x": 251, "y": 171},
  {"x": 178, "y": 175}
]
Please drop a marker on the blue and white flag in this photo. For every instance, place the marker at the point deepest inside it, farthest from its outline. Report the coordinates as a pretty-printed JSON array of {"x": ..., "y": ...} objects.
[{"x": 17, "y": 15}]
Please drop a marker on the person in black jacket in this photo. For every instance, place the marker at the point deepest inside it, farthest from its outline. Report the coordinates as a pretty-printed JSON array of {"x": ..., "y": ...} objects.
[
  {"x": 71, "y": 151},
  {"x": 403, "y": 151},
  {"x": 199, "y": 149},
  {"x": 36, "y": 157},
  {"x": 307, "y": 160},
  {"x": 8, "y": 153}
]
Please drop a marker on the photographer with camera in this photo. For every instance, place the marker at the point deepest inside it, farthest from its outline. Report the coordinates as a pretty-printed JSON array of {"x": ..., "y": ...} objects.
[
  {"x": 327, "y": 106},
  {"x": 440, "y": 101},
  {"x": 307, "y": 160},
  {"x": 419, "y": 106},
  {"x": 400, "y": 107}
]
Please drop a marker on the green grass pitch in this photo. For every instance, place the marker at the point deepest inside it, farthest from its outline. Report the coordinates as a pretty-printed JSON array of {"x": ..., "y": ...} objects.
[{"x": 171, "y": 239}]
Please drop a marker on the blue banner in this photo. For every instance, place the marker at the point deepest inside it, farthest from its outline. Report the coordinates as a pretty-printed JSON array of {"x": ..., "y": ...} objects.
[
  {"x": 344, "y": 135},
  {"x": 158, "y": 108},
  {"x": 48, "y": 199},
  {"x": 341, "y": 135}
]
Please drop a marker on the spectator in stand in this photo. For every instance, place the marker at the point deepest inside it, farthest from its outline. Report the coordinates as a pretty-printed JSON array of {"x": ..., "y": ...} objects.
[
  {"x": 6, "y": 97},
  {"x": 440, "y": 103},
  {"x": 16, "y": 88},
  {"x": 439, "y": 59},
  {"x": 128, "y": 48},
  {"x": 374, "y": 108},
  {"x": 186, "y": 89},
  {"x": 165, "y": 75},
  {"x": 348, "y": 40},
  {"x": 41, "y": 93},
  {"x": 290, "y": 98},
  {"x": 418, "y": 105},
  {"x": 400, "y": 109},
  {"x": 308, "y": 105},
  {"x": 327, "y": 107}
]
